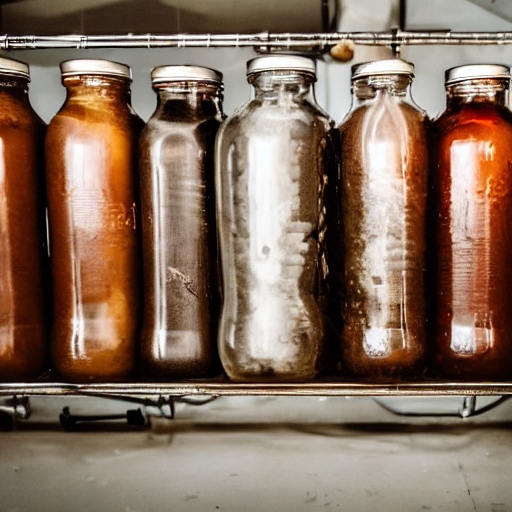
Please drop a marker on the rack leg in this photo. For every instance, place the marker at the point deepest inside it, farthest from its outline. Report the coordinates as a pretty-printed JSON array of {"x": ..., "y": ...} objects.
[{"x": 13, "y": 408}]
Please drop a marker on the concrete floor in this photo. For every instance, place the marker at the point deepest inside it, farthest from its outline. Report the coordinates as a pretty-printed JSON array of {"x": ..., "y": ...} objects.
[{"x": 260, "y": 454}]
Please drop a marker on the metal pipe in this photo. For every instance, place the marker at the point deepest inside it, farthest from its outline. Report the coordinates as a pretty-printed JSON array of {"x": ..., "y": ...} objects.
[{"x": 261, "y": 40}]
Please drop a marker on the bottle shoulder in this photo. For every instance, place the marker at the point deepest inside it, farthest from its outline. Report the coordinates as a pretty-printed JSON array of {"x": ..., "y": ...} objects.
[
  {"x": 95, "y": 118},
  {"x": 158, "y": 130},
  {"x": 188, "y": 109},
  {"x": 473, "y": 118},
  {"x": 258, "y": 116},
  {"x": 18, "y": 113},
  {"x": 392, "y": 122},
  {"x": 411, "y": 113}
]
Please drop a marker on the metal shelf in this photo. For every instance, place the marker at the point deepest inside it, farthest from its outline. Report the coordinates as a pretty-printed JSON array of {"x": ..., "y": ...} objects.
[
  {"x": 262, "y": 40},
  {"x": 317, "y": 388}
]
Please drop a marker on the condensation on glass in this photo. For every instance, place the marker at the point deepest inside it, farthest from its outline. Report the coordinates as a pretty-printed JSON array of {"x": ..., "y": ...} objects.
[
  {"x": 23, "y": 340},
  {"x": 271, "y": 177},
  {"x": 472, "y": 219},
  {"x": 181, "y": 286},
  {"x": 91, "y": 159},
  {"x": 384, "y": 167}
]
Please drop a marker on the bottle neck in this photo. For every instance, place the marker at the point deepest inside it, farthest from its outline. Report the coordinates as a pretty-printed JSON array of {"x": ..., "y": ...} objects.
[
  {"x": 99, "y": 88},
  {"x": 194, "y": 98},
  {"x": 282, "y": 85},
  {"x": 371, "y": 87},
  {"x": 478, "y": 91}
]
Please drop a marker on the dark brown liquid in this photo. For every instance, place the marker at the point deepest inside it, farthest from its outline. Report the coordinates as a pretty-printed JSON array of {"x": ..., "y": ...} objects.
[
  {"x": 181, "y": 288},
  {"x": 23, "y": 343},
  {"x": 472, "y": 219},
  {"x": 383, "y": 203},
  {"x": 91, "y": 161}
]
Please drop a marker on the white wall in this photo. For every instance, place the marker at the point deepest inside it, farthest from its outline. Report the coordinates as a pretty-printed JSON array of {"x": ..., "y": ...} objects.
[{"x": 333, "y": 87}]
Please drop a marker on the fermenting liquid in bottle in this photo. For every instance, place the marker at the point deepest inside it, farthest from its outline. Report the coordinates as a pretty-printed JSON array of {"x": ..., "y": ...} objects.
[
  {"x": 91, "y": 159},
  {"x": 23, "y": 341},
  {"x": 384, "y": 167},
  {"x": 271, "y": 176},
  {"x": 181, "y": 286},
  {"x": 471, "y": 231}
]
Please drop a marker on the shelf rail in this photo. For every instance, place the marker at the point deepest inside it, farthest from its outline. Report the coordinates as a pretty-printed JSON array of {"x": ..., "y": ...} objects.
[
  {"x": 317, "y": 388},
  {"x": 263, "y": 40}
]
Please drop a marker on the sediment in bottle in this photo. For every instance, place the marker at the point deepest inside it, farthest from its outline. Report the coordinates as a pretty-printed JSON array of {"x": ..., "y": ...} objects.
[{"x": 384, "y": 167}]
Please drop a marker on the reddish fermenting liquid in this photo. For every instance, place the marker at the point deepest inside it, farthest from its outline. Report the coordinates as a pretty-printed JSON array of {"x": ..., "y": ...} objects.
[
  {"x": 23, "y": 343},
  {"x": 472, "y": 214},
  {"x": 383, "y": 202},
  {"x": 91, "y": 161}
]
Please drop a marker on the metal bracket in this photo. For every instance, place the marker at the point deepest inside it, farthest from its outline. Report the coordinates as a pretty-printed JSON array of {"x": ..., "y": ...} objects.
[
  {"x": 166, "y": 405},
  {"x": 17, "y": 406},
  {"x": 11, "y": 409},
  {"x": 134, "y": 417},
  {"x": 468, "y": 408}
]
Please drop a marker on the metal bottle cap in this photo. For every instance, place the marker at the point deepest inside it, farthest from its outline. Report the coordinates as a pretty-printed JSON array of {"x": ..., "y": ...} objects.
[
  {"x": 162, "y": 74},
  {"x": 94, "y": 67},
  {"x": 476, "y": 71},
  {"x": 14, "y": 68},
  {"x": 382, "y": 67},
  {"x": 281, "y": 62}
]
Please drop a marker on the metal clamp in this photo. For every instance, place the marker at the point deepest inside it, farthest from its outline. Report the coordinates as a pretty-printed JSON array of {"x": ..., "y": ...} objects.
[{"x": 11, "y": 409}]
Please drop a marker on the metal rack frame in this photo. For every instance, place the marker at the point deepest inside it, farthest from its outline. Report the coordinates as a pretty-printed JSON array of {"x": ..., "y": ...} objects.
[
  {"x": 264, "y": 41},
  {"x": 162, "y": 397},
  {"x": 316, "y": 388}
]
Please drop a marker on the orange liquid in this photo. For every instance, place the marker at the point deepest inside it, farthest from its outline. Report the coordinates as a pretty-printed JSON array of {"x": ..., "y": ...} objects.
[
  {"x": 23, "y": 341},
  {"x": 472, "y": 219},
  {"x": 91, "y": 162}
]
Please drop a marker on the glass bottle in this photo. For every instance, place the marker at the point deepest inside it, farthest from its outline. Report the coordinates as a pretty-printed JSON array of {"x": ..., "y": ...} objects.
[
  {"x": 181, "y": 288},
  {"x": 472, "y": 218},
  {"x": 23, "y": 341},
  {"x": 270, "y": 178},
  {"x": 91, "y": 159},
  {"x": 384, "y": 167}
]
